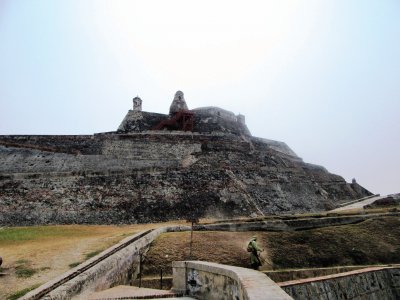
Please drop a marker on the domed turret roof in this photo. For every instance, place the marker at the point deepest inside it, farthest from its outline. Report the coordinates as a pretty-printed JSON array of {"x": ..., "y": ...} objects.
[{"x": 178, "y": 103}]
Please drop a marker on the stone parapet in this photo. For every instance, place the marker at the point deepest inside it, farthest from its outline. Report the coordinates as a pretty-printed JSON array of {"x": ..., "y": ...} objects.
[
  {"x": 215, "y": 119},
  {"x": 206, "y": 280},
  {"x": 293, "y": 224},
  {"x": 369, "y": 283}
]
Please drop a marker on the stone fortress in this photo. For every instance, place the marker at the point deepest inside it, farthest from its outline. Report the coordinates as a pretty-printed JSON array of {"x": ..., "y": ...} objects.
[
  {"x": 202, "y": 162},
  {"x": 199, "y": 120}
]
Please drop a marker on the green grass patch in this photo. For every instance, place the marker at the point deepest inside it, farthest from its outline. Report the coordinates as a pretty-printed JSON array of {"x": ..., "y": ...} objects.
[
  {"x": 22, "y": 261},
  {"x": 93, "y": 253},
  {"x": 11, "y": 235},
  {"x": 24, "y": 271},
  {"x": 21, "y": 293},
  {"x": 21, "y": 234},
  {"x": 74, "y": 264}
]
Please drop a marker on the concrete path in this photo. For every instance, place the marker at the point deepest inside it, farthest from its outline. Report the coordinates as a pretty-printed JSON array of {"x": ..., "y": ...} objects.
[
  {"x": 358, "y": 205},
  {"x": 133, "y": 292}
]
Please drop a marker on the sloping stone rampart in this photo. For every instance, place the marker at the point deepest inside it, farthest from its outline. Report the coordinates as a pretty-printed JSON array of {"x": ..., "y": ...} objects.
[
  {"x": 369, "y": 284},
  {"x": 130, "y": 178}
]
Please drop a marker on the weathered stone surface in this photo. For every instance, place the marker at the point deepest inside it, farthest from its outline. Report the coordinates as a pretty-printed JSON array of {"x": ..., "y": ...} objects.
[
  {"x": 286, "y": 223},
  {"x": 138, "y": 121},
  {"x": 149, "y": 177},
  {"x": 206, "y": 280},
  {"x": 391, "y": 200},
  {"x": 215, "y": 119},
  {"x": 369, "y": 283},
  {"x": 178, "y": 103},
  {"x": 206, "y": 119}
]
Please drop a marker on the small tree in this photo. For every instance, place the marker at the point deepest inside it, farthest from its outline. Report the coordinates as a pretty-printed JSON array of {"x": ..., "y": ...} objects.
[
  {"x": 192, "y": 220},
  {"x": 194, "y": 206}
]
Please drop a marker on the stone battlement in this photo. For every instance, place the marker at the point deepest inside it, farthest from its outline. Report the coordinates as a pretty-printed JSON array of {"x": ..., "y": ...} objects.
[{"x": 206, "y": 119}]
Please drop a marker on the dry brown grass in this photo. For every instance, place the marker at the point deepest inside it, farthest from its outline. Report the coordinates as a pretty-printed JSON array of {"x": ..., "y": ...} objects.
[
  {"x": 221, "y": 247},
  {"x": 375, "y": 241},
  {"x": 51, "y": 251}
]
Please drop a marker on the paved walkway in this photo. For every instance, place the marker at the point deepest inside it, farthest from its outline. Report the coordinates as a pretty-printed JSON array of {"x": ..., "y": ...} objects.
[
  {"x": 133, "y": 292},
  {"x": 358, "y": 205}
]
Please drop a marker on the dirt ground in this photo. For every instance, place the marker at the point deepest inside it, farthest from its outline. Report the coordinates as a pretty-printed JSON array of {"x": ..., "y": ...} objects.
[
  {"x": 50, "y": 256},
  {"x": 214, "y": 246},
  {"x": 371, "y": 242}
]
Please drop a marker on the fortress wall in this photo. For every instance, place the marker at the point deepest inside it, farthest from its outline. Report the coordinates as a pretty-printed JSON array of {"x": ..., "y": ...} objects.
[
  {"x": 118, "y": 198},
  {"x": 371, "y": 283},
  {"x": 15, "y": 161},
  {"x": 207, "y": 120},
  {"x": 275, "y": 145},
  {"x": 216, "y": 112},
  {"x": 129, "y": 177},
  {"x": 139, "y": 121},
  {"x": 213, "y": 119},
  {"x": 113, "y": 153},
  {"x": 72, "y": 144}
]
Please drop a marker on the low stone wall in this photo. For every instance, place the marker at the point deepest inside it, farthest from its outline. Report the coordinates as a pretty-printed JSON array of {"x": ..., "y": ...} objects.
[
  {"x": 205, "y": 280},
  {"x": 371, "y": 283},
  {"x": 117, "y": 265},
  {"x": 293, "y": 224}
]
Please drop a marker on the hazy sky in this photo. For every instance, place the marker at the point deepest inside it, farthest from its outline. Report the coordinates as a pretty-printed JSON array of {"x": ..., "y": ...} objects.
[{"x": 322, "y": 76}]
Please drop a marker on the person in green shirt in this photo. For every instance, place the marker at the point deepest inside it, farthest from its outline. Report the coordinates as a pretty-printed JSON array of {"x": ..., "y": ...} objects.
[{"x": 254, "y": 250}]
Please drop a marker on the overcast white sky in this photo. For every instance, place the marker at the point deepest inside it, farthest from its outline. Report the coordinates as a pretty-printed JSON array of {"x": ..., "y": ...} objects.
[{"x": 322, "y": 76}]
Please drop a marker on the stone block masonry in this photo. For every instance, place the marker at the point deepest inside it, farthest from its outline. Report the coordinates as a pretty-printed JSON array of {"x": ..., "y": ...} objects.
[
  {"x": 156, "y": 176},
  {"x": 211, "y": 281},
  {"x": 371, "y": 283}
]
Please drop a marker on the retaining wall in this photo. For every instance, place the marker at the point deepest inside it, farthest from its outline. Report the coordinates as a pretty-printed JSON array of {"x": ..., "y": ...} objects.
[
  {"x": 292, "y": 224},
  {"x": 371, "y": 283},
  {"x": 205, "y": 280}
]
